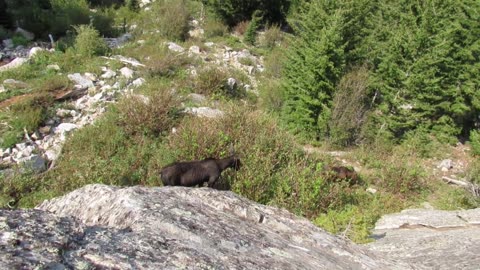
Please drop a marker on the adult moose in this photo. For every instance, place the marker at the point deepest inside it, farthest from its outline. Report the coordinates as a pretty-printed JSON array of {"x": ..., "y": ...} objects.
[{"x": 197, "y": 172}]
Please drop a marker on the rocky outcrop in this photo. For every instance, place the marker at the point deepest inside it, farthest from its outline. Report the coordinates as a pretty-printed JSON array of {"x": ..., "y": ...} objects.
[
  {"x": 430, "y": 239},
  {"x": 103, "y": 227}
]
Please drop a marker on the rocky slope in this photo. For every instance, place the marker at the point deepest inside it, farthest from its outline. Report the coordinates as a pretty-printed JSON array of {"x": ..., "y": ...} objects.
[
  {"x": 430, "y": 239},
  {"x": 103, "y": 227}
]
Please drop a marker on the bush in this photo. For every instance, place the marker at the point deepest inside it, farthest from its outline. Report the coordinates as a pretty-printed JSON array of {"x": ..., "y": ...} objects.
[
  {"x": 475, "y": 142},
  {"x": 241, "y": 27},
  {"x": 66, "y": 14},
  {"x": 88, "y": 41},
  {"x": 233, "y": 11},
  {"x": 349, "y": 108},
  {"x": 169, "y": 17},
  {"x": 25, "y": 115},
  {"x": 251, "y": 32},
  {"x": 164, "y": 62},
  {"x": 104, "y": 20},
  {"x": 19, "y": 40},
  {"x": 272, "y": 36},
  {"x": 214, "y": 28},
  {"x": 148, "y": 115},
  {"x": 210, "y": 81}
]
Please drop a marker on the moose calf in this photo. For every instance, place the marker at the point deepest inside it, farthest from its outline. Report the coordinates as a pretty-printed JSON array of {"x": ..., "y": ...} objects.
[{"x": 192, "y": 173}]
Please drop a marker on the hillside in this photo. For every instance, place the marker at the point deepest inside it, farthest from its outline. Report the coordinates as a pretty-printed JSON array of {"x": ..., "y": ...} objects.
[{"x": 147, "y": 83}]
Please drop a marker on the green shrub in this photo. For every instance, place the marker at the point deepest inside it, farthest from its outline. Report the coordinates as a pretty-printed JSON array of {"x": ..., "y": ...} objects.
[
  {"x": 233, "y": 11},
  {"x": 27, "y": 115},
  {"x": 210, "y": 81},
  {"x": 214, "y": 28},
  {"x": 66, "y": 14},
  {"x": 251, "y": 32},
  {"x": 104, "y": 20},
  {"x": 168, "y": 17},
  {"x": 88, "y": 41},
  {"x": 350, "y": 108},
  {"x": 241, "y": 27},
  {"x": 271, "y": 95},
  {"x": 19, "y": 40},
  {"x": 164, "y": 62},
  {"x": 272, "y": 36},
  {"x": 148, "y": 115},
  {"x": 475, "y": 142}
]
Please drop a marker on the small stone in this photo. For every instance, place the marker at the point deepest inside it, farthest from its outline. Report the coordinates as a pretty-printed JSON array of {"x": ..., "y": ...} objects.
[
  {"x": 35, "y": 163},
  {"x": 14, "y": 83},
  {"x": 109, "y": 74},
  {"x": 65, "y": 127},
  {"x": 2, "y": 89},
  {"x": 35, "y": 50},
  {"x": 80, "y": 80},
  {"x": 35, "y": 135},
  {"x": 126, "y": 72},
  {"x": 194, "y": 49},
  {"x": 53, "y": 67},
  {"x": 138, "y": 82},
  {"x": 175, "y": 47},
  {"x": 45, "y": 129},
  {"x": 209, "y": 44},
  {"x": 371, "y": 190},
  {"x": 90, "y": 76}
]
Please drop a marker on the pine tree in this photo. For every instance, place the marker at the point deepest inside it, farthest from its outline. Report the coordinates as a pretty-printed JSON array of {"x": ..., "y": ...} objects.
[{"x": 315, "y": 62}]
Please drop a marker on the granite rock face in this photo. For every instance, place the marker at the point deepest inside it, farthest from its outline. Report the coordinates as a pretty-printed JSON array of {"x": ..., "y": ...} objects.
[
  {"x": 170, "y": 228},
  {"x": 430, "y": 239}
]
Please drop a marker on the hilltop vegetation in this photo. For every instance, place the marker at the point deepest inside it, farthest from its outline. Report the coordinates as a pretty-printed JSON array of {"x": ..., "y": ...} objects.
[{"x": 395, "y": 84}]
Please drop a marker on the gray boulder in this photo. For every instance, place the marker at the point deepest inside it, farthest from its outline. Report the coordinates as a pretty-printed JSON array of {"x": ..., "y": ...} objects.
[
  {"x": 172, "y": 228},
  {"x": 430, "y": 239}
]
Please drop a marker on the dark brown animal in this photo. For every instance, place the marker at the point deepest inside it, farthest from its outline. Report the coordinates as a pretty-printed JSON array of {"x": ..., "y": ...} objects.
[
  {"x": 344, "y": 174},
  {"x": 192, "y": 173}
]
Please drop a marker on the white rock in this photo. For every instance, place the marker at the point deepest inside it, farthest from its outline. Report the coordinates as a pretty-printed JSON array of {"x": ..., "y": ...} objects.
[
  {"x": 15, "y": 63},
  {"x": 445, "y": 165},
  {"x": 81, "y": 80},
  {"x": 54, "y": 67},
  {"x": 371, "y": 190},
  {"x": 33, "y": 51},
  {"x": 2, "y": 88},
  {"x": 63, "y": 113},
  {"x": 194, "y": 49},
  {"x": 209, "y": 44},
  {"x": 175, "y": 47},
  {"x": 138, "y": 82},
  {"x": 14, "y": 83},
  {"x": 141, "y": 42},
  {"x": 106, "y": 88},
  {"x": 109, "y": 74},
  {"x": 65, "y": 127},
  {"x": 21, "y": 146},
  {"x": 90, "y": 76},
  {"x": 232, "y": 83},
  {"x": 126, "y": 72}
]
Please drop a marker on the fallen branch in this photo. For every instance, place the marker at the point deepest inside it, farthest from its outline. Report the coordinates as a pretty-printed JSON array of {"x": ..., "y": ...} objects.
[{"x": 467, "y": 185}]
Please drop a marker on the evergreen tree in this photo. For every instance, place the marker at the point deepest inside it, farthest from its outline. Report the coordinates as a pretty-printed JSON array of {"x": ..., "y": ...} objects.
[
  {"x": 426, "y": 60},
  {"x": 251, "y": 32}
]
